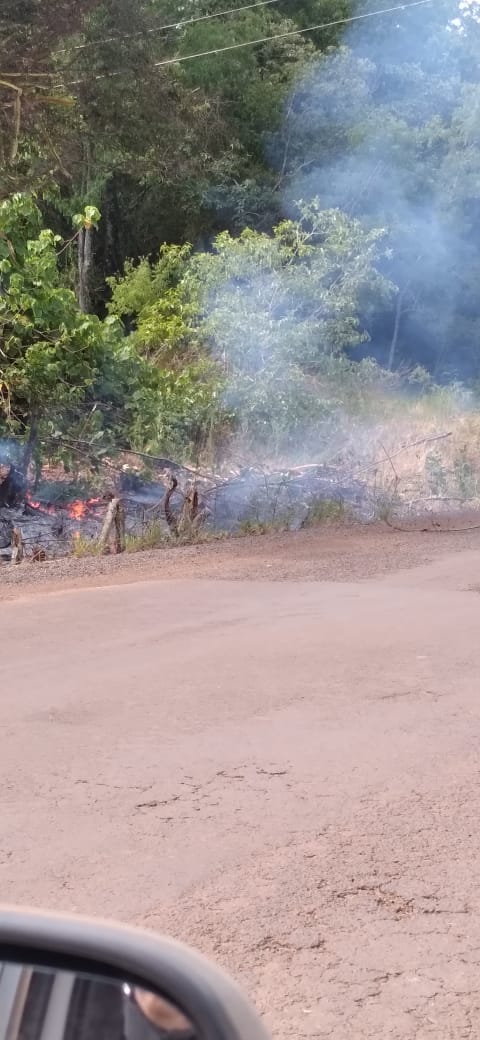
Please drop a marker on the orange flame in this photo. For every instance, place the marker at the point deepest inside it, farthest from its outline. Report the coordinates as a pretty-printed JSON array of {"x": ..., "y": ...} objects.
[
  {"x": 39, "y": 505},
  {"x": 76, "y": 510}
]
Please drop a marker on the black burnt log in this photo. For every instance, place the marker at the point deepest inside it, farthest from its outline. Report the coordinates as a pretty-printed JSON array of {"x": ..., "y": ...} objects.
[
  {"x": 6, "y": 532},
  {"x": 12, "y": 486}
]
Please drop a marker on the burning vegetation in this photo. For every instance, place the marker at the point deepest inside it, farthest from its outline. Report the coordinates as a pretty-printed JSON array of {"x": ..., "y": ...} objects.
[
  {"x": 180, "y": 505},
  {"x": 305, "y": 300},
  {"x": 422, "y": 478}
]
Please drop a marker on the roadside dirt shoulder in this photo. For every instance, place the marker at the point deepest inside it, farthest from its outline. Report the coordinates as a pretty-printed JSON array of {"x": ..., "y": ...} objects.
[{"x": 325, "y": 554}]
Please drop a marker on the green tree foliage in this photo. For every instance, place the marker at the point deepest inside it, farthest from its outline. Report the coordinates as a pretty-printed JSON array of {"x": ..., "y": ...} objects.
[
  {"x": 172, "y": 153},
  {"x": 263, "y": 326},
  {"x": 61, "y": 372},
  {"x": 385, "y": 128},
  {"x": 35, "y": 111},
  {"x": 271, "y": 315}
]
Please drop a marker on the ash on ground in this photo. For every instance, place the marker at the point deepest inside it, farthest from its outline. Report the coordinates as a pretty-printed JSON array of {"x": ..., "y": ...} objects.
[{"x": 247, "y": 497}]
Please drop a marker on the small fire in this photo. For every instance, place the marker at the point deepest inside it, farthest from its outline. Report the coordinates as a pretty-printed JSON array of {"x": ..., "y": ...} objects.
[
  {"x": 76, "y": 510},
  {"x": 42, "y": 508}
]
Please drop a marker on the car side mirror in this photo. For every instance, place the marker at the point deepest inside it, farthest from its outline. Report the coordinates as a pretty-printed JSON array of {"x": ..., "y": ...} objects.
[{"x": 65, "y": 977}]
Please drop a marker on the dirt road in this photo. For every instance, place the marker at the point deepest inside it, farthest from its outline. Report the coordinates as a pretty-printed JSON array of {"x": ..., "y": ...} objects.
[{"x": 285, "y": 774}]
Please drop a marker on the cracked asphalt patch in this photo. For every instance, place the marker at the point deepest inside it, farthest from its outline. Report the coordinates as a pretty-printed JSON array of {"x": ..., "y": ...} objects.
[{"x": 285, "y": 775}]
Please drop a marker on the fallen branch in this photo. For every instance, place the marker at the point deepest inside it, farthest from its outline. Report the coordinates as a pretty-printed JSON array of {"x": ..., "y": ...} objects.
[
  {"x": 434, "y": 529},
  {"x": 307, "y": 466},
  {"x": 81, "y": 448},
  {"x": 175, "y": 467},
  {"x": 395, "y": 474},
  {"x": 38, "y": 554},
  {"x": 406, "y": 447}
]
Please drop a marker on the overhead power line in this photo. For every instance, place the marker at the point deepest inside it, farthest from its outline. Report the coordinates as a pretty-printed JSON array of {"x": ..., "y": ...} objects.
[
  {"x": 291, "y": 32},
  {"x": 263, "y": 39},
  {"x": 164, "y": 28}
]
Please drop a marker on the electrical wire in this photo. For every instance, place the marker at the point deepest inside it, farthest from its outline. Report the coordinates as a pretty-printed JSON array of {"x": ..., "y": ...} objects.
[
  {"x": 164, "y": 28},
  {"x": 291, "y": 32},
  {"x": 262, "y": 39}
]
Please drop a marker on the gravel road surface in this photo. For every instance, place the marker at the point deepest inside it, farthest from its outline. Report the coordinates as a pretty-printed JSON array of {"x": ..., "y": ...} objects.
[{"x": 283, "y": 773}]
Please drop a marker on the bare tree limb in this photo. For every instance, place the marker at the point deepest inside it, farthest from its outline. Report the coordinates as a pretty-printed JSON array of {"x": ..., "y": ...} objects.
[{"x": 406, "y": 447}]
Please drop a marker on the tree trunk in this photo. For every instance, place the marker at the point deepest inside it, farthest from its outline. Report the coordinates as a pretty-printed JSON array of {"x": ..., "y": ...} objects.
[
  {"x": 12, "y": 485},
  {"x": 398, "y": 315},
  {"x": 17, "y": 546},
  {"x": 119, "y": 542},
  {"x": 85, "y": 264},
  {"x": 113, "y": 525},
  {"x": 396, "y": 329},
  {"x": 111, "y": 222},
  {"x": 30, "y": 446}
]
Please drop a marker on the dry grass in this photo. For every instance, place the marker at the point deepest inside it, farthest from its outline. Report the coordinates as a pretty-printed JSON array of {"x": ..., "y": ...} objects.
[
  {"x": 415, "y": 454},
  {"x": 419, "y": 453},
  {"x": 82, "y": 547}
]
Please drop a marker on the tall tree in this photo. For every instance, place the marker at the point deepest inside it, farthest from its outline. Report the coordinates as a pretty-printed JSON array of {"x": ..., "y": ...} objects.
[
  {"x": 57, "y": 366},
  {"x": 30, "y": 97}
]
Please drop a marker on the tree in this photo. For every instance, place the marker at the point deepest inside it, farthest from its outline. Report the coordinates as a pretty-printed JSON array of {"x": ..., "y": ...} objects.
[
  {"x": 266, "y": 325},
  {"x": 385, "y": 129},
  {"x": 32, "y": 107},
  {"x": 60, "y": 370},
  {"x": 271, "y": 315}
]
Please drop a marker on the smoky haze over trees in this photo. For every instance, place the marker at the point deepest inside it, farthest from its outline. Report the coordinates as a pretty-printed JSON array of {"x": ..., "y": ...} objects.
[{"x": 248, "y": 247}]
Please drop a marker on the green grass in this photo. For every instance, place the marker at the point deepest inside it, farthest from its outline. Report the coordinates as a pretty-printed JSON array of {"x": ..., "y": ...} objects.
[
  {"x": 260, "y": 527},
  {"x": 152, "y": 537},
  {"x": 325, "y": 511}
]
